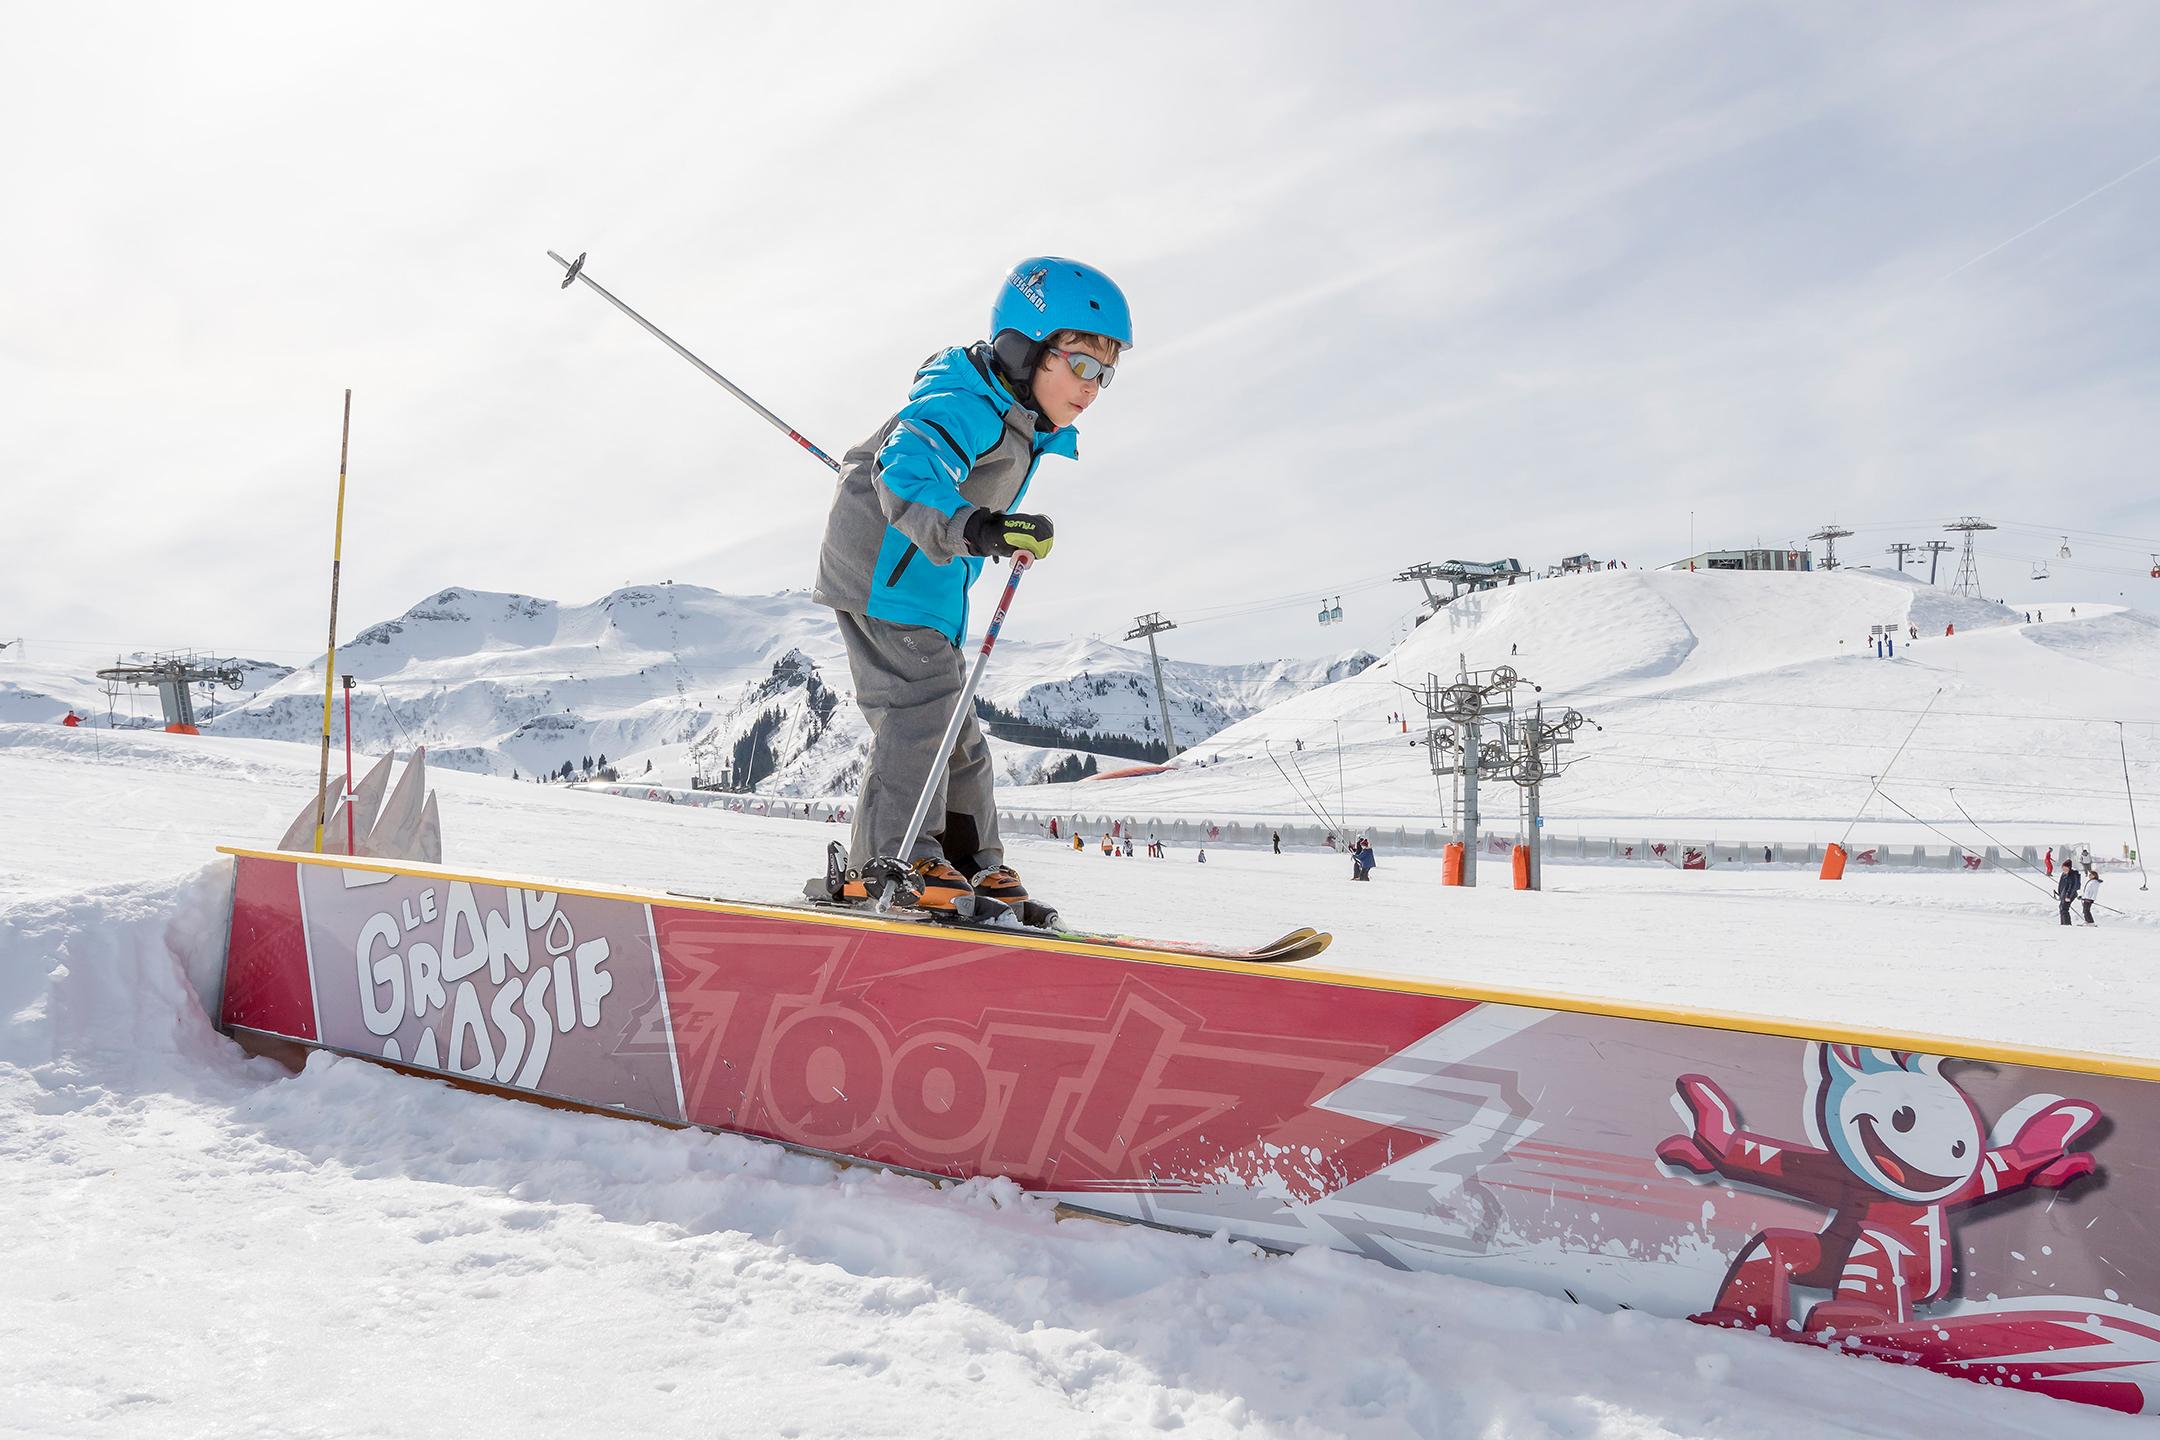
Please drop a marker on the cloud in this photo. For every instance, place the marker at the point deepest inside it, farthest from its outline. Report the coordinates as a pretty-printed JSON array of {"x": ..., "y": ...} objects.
[{"x": 1411, "y": 282}]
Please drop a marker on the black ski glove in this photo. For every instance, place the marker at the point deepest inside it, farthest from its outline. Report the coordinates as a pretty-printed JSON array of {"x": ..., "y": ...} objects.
[{"x": 993, "y": 533}]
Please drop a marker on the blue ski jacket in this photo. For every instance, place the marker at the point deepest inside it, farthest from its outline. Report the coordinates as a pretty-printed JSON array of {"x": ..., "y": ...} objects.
[{"x": 895, "y": 545}]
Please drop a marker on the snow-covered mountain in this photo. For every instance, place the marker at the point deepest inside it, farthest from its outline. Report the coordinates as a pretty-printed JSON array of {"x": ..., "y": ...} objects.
[{"x": 702, "y": 685}]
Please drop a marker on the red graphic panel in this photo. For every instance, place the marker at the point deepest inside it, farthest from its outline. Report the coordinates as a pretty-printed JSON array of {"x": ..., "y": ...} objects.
[
  {"x": 1067, "y": 1072},
  {"x": 266, "y": 965}
]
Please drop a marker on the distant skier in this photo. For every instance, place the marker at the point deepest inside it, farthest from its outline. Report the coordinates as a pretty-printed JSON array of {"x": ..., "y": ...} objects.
[
  {"x": 2047, "y": 861},
  {"x": 1108, "y": 846},
  {"x": 1513, "y": 648},
  {"x": 2066, "y": 890},
  {"x": 2089, "y": 892},
  {"x": 1203, "y": 861},
  {"x": 1362, "y": 860},
  {"x": 922, "y": 504},
  {"x": 72, "y": 719},
  {"x": 1276, "y": 837},
  {"x": 1053, "y": 827}
]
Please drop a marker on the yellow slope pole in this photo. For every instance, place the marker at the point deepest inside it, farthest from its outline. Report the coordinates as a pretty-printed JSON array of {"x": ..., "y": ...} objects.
[{"x": 337, "y": 560}]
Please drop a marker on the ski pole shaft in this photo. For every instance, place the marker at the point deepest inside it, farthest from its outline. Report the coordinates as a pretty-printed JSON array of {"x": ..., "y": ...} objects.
[
  {"x": 337, "y": 563},
  {"x": 352, "y": 843},
  {"x": 943, "y": 756},
  {"x": 575, "y": 270}
]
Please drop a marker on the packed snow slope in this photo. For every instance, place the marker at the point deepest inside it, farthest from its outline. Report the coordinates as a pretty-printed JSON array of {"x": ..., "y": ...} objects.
[
  {"x": 690, "y": 679},
  {"x": 201, "y": 1243},
  {"x": 1735, "y": 705}
]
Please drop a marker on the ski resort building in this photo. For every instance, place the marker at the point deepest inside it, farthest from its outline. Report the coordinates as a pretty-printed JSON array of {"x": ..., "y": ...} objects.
[{"x": 1746, "y": 560}]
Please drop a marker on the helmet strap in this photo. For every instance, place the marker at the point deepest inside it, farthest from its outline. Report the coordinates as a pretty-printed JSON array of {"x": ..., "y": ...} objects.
[{"x": 1017, "y": 356}]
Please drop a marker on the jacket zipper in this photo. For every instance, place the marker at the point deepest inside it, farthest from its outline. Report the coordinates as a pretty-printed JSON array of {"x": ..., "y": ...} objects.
[{"x": 901, "y": 564}]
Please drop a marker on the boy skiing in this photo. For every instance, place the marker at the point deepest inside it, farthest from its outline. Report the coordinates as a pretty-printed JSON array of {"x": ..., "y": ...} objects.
[{"x": 921, "y": 504}]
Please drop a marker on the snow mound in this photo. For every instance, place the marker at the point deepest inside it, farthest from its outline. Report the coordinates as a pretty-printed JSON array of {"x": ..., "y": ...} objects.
[
  {"x": 1681, "y": 627},
  {"x": 1735, "y": 704},
  {"x": 2127, "y": 641},
  {"x": 114, "y": 983}
]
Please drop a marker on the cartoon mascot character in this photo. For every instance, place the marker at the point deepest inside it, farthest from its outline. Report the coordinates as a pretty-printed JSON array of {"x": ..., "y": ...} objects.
[{"x": 1896, "y": 1148}]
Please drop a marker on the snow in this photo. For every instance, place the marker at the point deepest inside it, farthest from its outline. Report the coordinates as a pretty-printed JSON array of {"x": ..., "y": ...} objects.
[
  {"x": 201, "y": 1243},
  {"x": 1734, "y": 706}
]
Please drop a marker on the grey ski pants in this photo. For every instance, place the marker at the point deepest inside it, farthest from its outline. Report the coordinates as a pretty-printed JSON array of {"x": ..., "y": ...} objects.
[{"x": 906, "y": 680}]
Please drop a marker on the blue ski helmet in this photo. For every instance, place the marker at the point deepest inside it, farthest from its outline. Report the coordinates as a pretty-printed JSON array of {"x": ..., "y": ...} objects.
[{"x": 1047, "y": 293}]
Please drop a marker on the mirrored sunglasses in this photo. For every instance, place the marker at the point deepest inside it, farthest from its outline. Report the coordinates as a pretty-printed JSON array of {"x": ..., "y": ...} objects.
[{"x": 1086, "y": 367}]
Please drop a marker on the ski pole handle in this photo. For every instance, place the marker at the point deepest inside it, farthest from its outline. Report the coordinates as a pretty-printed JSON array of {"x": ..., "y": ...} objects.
[
  {"x": 574, "y": 270},
  {"x": 943, "y": 756},
  {"x": 1020, "y": 562}
]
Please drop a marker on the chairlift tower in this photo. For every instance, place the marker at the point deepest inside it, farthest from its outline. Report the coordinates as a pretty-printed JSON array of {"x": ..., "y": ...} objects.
[
  {"x": 1830, "y": 535},
  {"x": 1148, "y": 627},
  {"x": 1424, "y": 573},
  {"x": 171, "y": 675},
  {"x": 1536, "y": 761},
  {"x": 1968, "y": 576},
  {"x": 1526, "y": 750},
  {"x": 1901, "y": 549},
  {"x": 1936, "y": 549}
]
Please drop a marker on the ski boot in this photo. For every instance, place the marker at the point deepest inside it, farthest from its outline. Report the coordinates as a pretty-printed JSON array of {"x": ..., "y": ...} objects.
[
  {"x": 1000, "y": 883},
  {"x": 937, "y": 883},
  {"x": 1000, "y": 886}
]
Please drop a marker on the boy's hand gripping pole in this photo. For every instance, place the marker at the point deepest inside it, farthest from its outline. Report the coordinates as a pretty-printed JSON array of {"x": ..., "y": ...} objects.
[
  {"x": 1020, "y": 562},
  {"x": 574, "y": 270}
]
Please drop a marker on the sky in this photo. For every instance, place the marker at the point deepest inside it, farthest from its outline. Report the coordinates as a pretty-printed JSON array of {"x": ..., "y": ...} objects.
[{"x": 1411, "y": 282}]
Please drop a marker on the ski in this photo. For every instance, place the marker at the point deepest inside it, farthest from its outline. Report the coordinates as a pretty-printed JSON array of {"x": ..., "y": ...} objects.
[
  {"x": 1030, "y": 917},
  {"x": 1302, "y": 943}
]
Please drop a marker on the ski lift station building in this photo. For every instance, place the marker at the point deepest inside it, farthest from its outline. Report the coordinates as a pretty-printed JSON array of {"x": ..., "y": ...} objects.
[{"x": 1746, "y": 560}]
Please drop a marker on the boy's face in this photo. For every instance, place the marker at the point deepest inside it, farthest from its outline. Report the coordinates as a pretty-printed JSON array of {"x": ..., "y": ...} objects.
[{"x": 1061, "y": 395}]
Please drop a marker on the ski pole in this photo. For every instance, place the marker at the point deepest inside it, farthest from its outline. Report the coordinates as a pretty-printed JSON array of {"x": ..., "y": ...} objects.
[
  {"x": 575, "y": 270},
  {"x": 352, "y": 843},
  {"x": 943, "y": 756},
  {"x": 337, "y": 562}
]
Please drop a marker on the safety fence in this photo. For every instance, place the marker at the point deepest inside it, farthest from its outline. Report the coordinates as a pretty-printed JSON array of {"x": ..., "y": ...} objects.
[{"x": 1679, "y": 854}]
